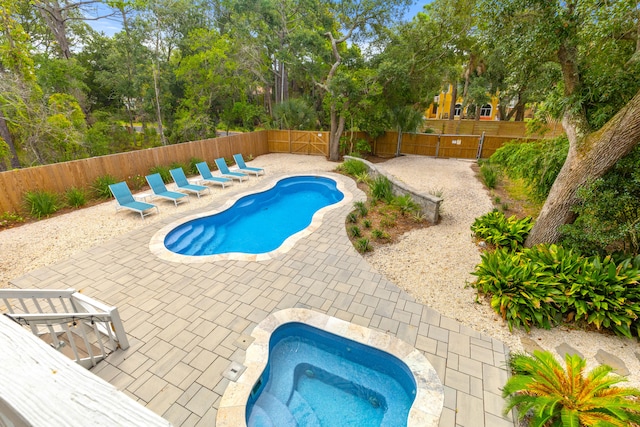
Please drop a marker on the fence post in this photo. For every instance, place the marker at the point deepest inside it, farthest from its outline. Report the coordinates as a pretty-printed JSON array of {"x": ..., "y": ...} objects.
[
  {"x": 438, "y": 146},
  {"x": 480, "y": 145}
]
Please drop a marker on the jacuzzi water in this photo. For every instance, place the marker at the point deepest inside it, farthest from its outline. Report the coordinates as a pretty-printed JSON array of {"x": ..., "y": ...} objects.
[
  {"x": 315, "y": 378},
  {"x": 257, "y": 223}
]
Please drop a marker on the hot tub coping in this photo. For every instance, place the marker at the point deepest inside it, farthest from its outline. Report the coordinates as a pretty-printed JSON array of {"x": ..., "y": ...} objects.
[{"x": 429, "y": 400}]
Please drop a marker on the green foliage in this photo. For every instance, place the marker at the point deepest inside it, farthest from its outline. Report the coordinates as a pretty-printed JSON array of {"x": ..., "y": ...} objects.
[
  {"x": 352, "y": 217},
  {"x": 381, "y": 189},
  {"x": 555, "y": 396},
  {"x": 76, "y": 197},
  {"x": 489, "y": 175},
  {"x": 380, "y": 234},
  {"x": 361, "y": 207},
  {"x": 192, "y": 169},
  {"x": 363, "y": 245},
  {"x": 101, "y": 186},
  {"x": 362, "y": 177},
  {"x": 542, "y": 285},
  {"x": 8, "y": 219},
  {"x": 41, "y": 203},
  {"x": 136, "y": 182},
  {"x": 496, "y": 229},
  {"x": 295, "y": 113},
  {"x": 405, "y": 203},
  {"x": 366, "y": 223},
  {"x": 353, "y": 167},
  {"x": 163, "y": 171},
  {"x": 537, "y": 163},
  {"x": 354, "y": 231},
  {"x": 609, "y": 211}
]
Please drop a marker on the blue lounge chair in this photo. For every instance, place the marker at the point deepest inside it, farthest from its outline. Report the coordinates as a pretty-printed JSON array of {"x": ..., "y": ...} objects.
[
  {"x": 242, "y": 166},
  {"x": 224, "y": 170},
  {"x": 160, "y": 190},
  {"x": 205, "y": 172},
  {"x": 183, "y": 183},
  {"x": 125, "y": 200}
]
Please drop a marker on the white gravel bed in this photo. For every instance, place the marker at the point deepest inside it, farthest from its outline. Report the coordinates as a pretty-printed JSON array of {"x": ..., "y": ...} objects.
[{"x": 431, "y": 264}]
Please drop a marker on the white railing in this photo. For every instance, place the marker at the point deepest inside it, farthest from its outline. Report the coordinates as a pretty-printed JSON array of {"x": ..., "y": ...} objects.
[{"x": 78, "y": 326}]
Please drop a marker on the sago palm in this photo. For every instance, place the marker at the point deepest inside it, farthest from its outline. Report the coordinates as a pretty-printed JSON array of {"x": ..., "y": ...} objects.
[{"x": 552, "y": 396}]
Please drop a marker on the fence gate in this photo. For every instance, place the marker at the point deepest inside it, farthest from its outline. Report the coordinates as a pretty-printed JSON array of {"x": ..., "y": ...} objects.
[{"x": 302, "y": 142}]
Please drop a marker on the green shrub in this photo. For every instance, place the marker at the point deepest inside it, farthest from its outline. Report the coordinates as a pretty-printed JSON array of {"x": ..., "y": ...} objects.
[
  {"x": 41, "y": 203},
  {"x": 545, "y": 284},
  {"x": 354, "y": 231},
  {"x": 8, "y": 219},
  {"x": 76, "y": 197},
  {"x": 101, "y": 186},
  {"x": 366, "y": 223},
  {"x": 489, "y": 175},
  {"x": 555, "y": 396},
  {"x": 136, "y": 182},
  {"x": 406, "y": 204},
  {"x": 353, "y": 167},
  {"x": 361, "y": 207},
  {"x": 380, "y": 235},
  {"x": 537, "y": 163},
  {"x": 163, "y": 171},
  {"x": 609, "y": 211},
  {"x": 184, "y": 166},
  {"x": 192, "y": 169},
  {"x": 496, "y": 229},
  {"x": 362, "y": 177},
  {"x": 352, "y": 217},
  {"x": 381, "y": 189},
  {"x": 363, "y": 245}
]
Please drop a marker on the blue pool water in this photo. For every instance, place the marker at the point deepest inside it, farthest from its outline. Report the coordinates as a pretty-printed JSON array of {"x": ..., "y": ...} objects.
[
  {"x": 257, "y": 223},
  {"x": 318, "y": 379}
]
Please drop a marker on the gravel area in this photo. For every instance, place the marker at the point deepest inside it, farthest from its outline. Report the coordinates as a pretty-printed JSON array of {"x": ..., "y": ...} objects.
[{"x": 431, "y": 264}]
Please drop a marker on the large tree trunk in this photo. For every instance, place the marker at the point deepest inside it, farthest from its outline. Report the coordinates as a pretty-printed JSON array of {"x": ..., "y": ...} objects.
[
  {"x": 590, "y": 156},
  {"x": 454, "y": 97},
  {"x": 337, "y": 127}
]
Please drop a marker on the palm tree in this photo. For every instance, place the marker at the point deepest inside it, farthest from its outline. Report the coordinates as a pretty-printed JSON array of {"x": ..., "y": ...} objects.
[{"x": 551, "y": 396}]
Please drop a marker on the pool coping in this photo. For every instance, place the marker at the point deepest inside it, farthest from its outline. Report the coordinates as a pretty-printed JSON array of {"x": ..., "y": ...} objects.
[
  {"x": 429, "y": 400},
  {"x": 157, "y": 247}
]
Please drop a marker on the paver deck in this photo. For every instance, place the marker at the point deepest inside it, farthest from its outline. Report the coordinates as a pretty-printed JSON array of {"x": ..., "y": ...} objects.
[{"x": 188, "y": 322}]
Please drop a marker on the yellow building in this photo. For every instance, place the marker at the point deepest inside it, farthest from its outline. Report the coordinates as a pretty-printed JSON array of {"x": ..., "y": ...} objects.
[{"x": 441, "y": 106}]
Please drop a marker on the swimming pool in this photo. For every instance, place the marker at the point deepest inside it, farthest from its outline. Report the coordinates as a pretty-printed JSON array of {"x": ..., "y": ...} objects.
[
  {"x": 415, "y": 377},
  {"x": 315, "y": 378},
  {"x": 253, "y": 226}
]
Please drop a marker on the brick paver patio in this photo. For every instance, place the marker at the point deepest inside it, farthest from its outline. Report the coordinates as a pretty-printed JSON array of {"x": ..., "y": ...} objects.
[{"x": 187, "y": 322}]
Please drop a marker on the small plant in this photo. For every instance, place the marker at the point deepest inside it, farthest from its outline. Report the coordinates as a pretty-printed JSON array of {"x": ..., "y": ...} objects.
[
  {"x": 381, "y": 189},
  {"x": 163, "y": 171},
  {"x": 362, "y": 177},
  {"x": 500, "y": 231},
  {"x": 497, "y": 200},
  {"x": 192, "y": 169},
  {"x": 505, "y": 207},
  {"x": 41, "y": 203},
  {"x": 388, "y": 222},
  {"x": 366, "y": 223},
  {"x": 380, "y": 235},
  {"x": 405, "y": 203},
  {"x": 353, "y": 167},
  {"x": 489, "y": 175},
  {"x": 438, "y": 192},
  {"x": 136, "y": 182},
  {"x": 361, "y": 207},
  {"x": 555, "y": 396},
  {"x": 418, "y": 217},
  {"x": 181, "y": 165},
  {"x": 363, "y": 245},
  {"x": 352, "y": 217},
  {"x": 101, "y": 186},
  {"x": 76, "y": 197},
  {"x": 8, "y": 219},
  {"x": 354, "y": 231}
]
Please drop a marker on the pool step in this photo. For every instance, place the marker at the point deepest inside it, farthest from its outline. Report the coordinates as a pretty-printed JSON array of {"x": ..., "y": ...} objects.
[
  {"x": 276, "y": 411},
  {"x": 259, "y": 418},
  {"x": 302, "y": 412}
]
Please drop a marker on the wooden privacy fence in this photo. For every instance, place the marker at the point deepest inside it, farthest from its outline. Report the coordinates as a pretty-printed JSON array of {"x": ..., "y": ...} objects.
[
  {"x": 493, "y": 128},
  {"x": 59, "y": 177}
]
